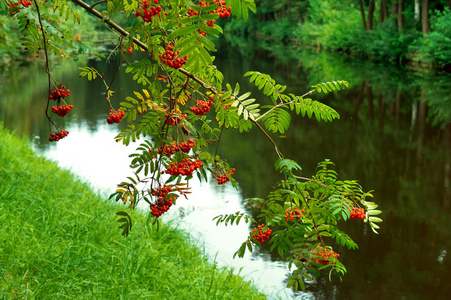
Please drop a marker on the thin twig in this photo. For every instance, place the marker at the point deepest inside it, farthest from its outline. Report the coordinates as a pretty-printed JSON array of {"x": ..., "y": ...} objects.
[
  {"x": 313, "y": 220},
  {"x": 219, "y": 141},
  {"x": 97, "y": 3},
  {"x": 269, "y": 138},
  {"x": 47, "y": 70}
]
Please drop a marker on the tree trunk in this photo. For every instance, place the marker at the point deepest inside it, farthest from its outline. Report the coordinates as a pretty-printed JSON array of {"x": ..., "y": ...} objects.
[
  {"x": 382, "y": 106},
  {"x": 383, "y": 11},
  {"x": 358, "y": 101},
  {"x": 362, "y": 12},
  {"x": 421, "y": 125},
  {"x": 369, "y": 93},
  {"x": 417, "y": 10},
  {"x": 447, "y": 165},
  {"x": 371, "y": 15},
  {"x": 386, "y": 13},
  {"x": 394, "y": 9},
  {"x": 400, "y": 16},
  {"x": 425, "y": 17}
]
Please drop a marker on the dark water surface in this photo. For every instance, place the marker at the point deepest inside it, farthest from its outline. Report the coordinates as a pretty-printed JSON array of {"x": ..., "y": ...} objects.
[{"x": 394, "y": 136}]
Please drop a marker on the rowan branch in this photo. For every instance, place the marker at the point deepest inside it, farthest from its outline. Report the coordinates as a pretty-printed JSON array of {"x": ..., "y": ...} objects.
[
  {"x": 47, "y": 69},
  {"x": 143, "y": 46}
]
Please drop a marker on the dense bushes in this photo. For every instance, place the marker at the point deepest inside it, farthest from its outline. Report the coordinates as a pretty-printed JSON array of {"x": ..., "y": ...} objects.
[
  {"x": 436, "y": 48},
  {"x": 333, "y": 26}
]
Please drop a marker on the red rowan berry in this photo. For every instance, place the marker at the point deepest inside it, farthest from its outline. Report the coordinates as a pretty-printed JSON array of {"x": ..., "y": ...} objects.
[
  {"x": 325, "y": 253},
  {"x": 164, "y": 200},
  {"x": 130, "y": 50},
  {"x": 201, "y": 107},
  {"x": 59, "y": 93},
  {"x": 171, "y": 58},
  {"x": 62, "y": 110},
  {"x": 224, "y": 177},
  {"x": 186, "y": 167},
  {"x": 290, "y": 214},
  {"x": 25, "y": 3},
  {"x": 260, "y": 233},
  {"x": 58, "y": 135},
  {"x": 147, "y": 13},
  {"x": 358, "y": 213},
  {"x": 173, "y": 120},
  {"x": 115, "y": 117}
]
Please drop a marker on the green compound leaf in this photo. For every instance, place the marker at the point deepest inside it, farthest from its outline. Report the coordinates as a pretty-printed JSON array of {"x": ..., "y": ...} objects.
[
  {"x": 327, "y": 87},
  {"x": 277, "y": 120},
  {"x": 126, "y": 221}
]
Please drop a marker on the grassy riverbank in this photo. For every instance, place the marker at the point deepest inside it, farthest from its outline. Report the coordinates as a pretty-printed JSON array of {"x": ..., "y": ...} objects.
[{"x": 59, "y": 240}]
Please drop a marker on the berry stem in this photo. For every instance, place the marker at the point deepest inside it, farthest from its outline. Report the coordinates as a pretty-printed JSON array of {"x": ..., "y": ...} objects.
[
  {"x": 217, "y": 146},
  {"x": 313, "y": 220},
  {"x": 47, "y": 69}
]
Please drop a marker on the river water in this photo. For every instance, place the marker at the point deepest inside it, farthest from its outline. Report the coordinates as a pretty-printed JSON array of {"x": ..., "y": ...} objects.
[{"x": 394, "y": 136}]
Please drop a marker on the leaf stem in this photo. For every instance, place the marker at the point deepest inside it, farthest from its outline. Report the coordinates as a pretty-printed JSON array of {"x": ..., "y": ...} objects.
[{"x": 283, "y": 104}]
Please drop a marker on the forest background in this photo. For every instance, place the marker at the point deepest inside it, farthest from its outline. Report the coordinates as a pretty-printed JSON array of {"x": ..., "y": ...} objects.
[
  {"x": 384, "y": 30},
  {"x": 396, "y": 31}
]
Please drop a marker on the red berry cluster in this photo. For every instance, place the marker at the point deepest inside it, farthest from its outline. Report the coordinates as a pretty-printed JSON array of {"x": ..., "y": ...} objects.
[
  {"x": 290, "y": 214},
  {"x": 260, "y": 234},
  {"x": 186, "y": 146},
  {"x": 225, "y": 106},
  {"x": 210, "y": 23},
  {"x": 358, "y": 213},
  {"x": 58, "y": 135},
  {"x": 150, "y": 150},
  {"x": 325, "y": 253},
  {"x": 221, "y": 179},
  {"x": 115, "y": 117},
  {"x": 62, "y": 110},
  {"x": 186, "y": 167},
  {"x": 164, "y": 201},
  {"x": 59, "y": 93},
  {"x": 221, "y": 10},
  {"x": 171, "y": 58},
  {"x": 170, "y": 120},
  {"x": 130, "y": 50},
  {"x": 211, "y": 96},
  {"x": 168, "y": 149},
  {"x": 201, "y": 107},
  {"x": 147, "y": 13},
  {"x": 25, "y": 3},
  {"x": 192, "y": 12}
]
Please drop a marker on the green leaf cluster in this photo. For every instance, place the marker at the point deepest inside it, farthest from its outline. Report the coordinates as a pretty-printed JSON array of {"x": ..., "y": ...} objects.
[
  {"x": 305, "y": 214},
  {"x": 327, "y": 87},
  {"x": 277, "y": 117},
  {"x": 126, "y": 222}
]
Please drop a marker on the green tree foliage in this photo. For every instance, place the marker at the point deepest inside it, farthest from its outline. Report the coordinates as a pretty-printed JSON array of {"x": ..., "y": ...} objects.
[
  {"x": 436, "y": 48},
  {"x": 183, "y": 105},
  {"x": 390, "y": 31}
]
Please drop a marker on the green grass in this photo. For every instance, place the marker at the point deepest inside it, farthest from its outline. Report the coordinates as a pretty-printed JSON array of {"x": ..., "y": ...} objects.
[{"x": 60, "y": 240}]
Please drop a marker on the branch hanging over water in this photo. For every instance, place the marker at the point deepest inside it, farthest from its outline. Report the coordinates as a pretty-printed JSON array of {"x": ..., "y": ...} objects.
[{"x": 143, "y": 46}]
